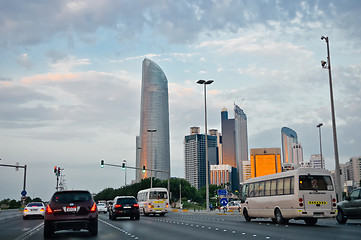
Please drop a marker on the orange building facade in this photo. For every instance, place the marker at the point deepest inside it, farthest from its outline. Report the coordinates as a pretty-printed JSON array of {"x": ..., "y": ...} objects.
[{"x": 265, "y": 161}]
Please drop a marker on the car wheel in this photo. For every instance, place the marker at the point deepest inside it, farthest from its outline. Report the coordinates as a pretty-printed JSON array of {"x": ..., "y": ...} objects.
[
  {"x": 137, "y": 217},
  {"x": 246, "y": 216},
  {"x": 279, "y": 217},
  {"x": 341, "y": 218},
  {"x": 162, "y": 214},
  {"x": 24, "y": 217},
  {"x": 48, "y": 231},
  {"x": 311, "y": 221},
  {"x": 93, "y": 227}
]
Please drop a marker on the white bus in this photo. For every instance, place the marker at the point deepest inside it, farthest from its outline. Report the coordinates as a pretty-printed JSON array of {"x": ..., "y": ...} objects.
[
  {"x": 304, "y": 193},
  {"x": 153, "y": 201}
]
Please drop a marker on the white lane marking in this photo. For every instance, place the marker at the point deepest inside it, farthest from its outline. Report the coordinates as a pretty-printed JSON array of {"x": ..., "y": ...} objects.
[
  {"x": 27, "y": 234},
  {"x": 117, "y": 228}
]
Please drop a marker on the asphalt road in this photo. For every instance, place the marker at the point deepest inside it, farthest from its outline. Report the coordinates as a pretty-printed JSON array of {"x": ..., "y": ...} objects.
[{"x": 185, "y": 225}]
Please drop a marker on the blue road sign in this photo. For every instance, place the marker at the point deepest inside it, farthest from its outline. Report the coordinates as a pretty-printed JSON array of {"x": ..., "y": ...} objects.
[
  {"x": 224, "y": 201},
  {"x": 222, "y": 192},
  {"x": 23, "y": 193}
]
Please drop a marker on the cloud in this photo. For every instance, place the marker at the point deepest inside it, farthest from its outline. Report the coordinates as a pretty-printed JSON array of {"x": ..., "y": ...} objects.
[{"x": 24, "y": 61}]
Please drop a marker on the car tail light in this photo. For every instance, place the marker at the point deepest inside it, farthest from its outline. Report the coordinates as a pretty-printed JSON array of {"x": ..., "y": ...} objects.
[
  {"x": 167, "y": 205},
  {"x": 48, "y": 210},
  {"x": 94, "y": 208},
  {"x": 136, "y": 205},
  {"x": 26, "y": 210},
  {"x": 117, "y": 205},
  {"x": 300, "y": 202},
  {"x": 150, "y": 205},
  {"x": 334, "y": 202},
  {"x": 42, "y": 210}
]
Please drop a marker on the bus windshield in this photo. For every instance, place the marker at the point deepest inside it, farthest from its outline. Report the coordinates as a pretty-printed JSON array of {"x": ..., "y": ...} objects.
[
  {"x": 157, "y": 195},
  {"x": 315, "y": 182}
]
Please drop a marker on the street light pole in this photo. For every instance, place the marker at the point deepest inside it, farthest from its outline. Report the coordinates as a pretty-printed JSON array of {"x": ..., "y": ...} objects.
[
  {"x": 125, "y": 173},
  {"x": 319, "y": 131},
  {"x": 205, "y": 83},
  {"x": 151, "y": 131},
  {"x": 337, "y": 164}
]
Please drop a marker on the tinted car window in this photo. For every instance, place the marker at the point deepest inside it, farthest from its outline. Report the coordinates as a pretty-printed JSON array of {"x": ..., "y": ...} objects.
[
  {"x": 355, "y": 194},
  {"x": 71, "y": 197},
  {"x": 35, "y": 205},
  {"x": 126, "y": 201}
]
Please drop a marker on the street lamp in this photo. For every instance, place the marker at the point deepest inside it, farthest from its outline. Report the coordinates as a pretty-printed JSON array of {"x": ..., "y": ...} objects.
[
  {"x": 327, "y": 65},
  {"x": 125, "y": 172},
  {"x": 205, "y": 83},
  {"x": 319, "y": 131},
  {"x": 151, "y": 131}
]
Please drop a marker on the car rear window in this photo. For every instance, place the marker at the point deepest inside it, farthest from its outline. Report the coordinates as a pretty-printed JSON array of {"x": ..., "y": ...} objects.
[
  {"x": 126, "y": 201},
  {"x": 35, "y": 205},
  {"x": 71, "y": 197}
]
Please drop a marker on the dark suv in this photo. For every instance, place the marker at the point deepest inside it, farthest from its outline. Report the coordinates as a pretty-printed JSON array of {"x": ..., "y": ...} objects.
[
  {"x": 68, "y": 210},
  {"x": 124, "y": 206},
  {"x": 350, "y": 207}
]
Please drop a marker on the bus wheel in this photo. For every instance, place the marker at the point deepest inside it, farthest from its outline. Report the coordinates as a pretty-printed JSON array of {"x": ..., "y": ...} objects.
[
  {"x": 278, "y": 216},
  {"x": 246, "y": 216},
  {"x": 145, "y": 214},
  {"x": 311, "y": 221}
]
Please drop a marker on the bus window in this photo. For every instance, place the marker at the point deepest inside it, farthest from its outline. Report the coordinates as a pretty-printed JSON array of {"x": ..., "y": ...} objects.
[
  {"x": 273, "y": 187},
  {"x": 292, "y": 185},
  {"x": 261, "y": 189},
  {"x": 312, "y": 182},
  {"x": 157, "y": 195},
  {"x": 251, "y": 190},
  {"x": 280, "y": 186},
  {"x": 256, "y": 189},
  {"x": 244, "y": 193},
  {"x": 287, "y": 186},
  {"x": 267, "y": 188}
]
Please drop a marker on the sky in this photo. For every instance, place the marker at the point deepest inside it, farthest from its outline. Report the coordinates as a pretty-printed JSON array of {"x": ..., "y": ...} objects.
[{"x": 70, "y": 80}]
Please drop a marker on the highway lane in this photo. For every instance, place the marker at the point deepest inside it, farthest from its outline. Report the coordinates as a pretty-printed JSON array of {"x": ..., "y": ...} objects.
[{"x": 189, "y": 225}]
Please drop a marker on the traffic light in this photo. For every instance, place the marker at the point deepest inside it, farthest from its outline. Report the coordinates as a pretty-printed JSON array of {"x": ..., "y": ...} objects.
[
  {"x": 123, "y": 165},
  {"x": 55, "y": 170},
  {"x": 58, "y": 173},
  {"x": 102, "y": 163},
  {"x": 143, "y": 169}
]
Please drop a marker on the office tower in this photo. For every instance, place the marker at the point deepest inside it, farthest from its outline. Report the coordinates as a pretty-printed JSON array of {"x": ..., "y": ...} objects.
[
  {"x": 154, "y": 122},
  {"x": 195, "y": 157},
  {"x": 221, "y": 174},
  {"x": 214, "y": 132},
  {"x": 241, "y": 139},
  {"x": 265, "y": 161},
  {"x": 247, "y": 173},
  {"x": 315, "y": 161},
  {"x": 354, "y": 171},
  {"x": 289, "y": 138},
  {"x": 297, "y": 154},
  {"x": 228, "y": 140}
]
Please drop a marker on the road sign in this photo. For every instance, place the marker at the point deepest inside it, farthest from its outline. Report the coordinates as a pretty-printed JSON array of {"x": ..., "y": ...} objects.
[
  {"x": 23, "y": 193},
  {"x": 222, "y": 192},
  {"x": 23, "y": 198},
  {"x": 224, "y": 201}
]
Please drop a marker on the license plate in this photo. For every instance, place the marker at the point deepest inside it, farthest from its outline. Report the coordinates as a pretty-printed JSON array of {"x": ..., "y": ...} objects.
[
  {"x": 127, "y": 207},
  {"x": 71, "y": 209}
]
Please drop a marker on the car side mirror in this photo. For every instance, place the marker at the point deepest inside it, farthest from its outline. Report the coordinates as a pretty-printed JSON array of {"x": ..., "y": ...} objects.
[{"x": 348, "y": 198}]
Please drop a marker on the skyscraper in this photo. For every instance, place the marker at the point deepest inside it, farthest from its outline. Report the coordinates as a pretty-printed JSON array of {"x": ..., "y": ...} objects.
[
  {"x": 289, "y": 138},
  {"x": 241, "y": 139},
  {"x": 265, "y": 161},
  {"x": 153, "y": 145},
  {"x": 228, "y": 140},
  {"x": 195, "y": 157}
]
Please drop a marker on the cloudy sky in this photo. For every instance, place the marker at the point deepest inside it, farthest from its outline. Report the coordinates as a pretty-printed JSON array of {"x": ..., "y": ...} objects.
[{"x": 70, "y": 79}]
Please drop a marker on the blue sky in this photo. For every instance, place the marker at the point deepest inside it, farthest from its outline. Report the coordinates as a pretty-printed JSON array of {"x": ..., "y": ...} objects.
[{"x": 70, "y": 78}]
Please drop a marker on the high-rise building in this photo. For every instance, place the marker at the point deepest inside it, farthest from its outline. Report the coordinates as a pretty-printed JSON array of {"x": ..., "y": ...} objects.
[
  {"x": 153, "y": 141},
  {"x": 247, "y": 173},
  {"x": 228, "y": 140},
  {"x": 265, "y": 161},
  {"x": 289, "y": 139},
  {"x": 297, "y": 154},
  {"x": 241, "y": 139},
  {"x": 195, "y": 157},
  {"x": 354, "y": 171},
  {"x": 315, "y": 161}
]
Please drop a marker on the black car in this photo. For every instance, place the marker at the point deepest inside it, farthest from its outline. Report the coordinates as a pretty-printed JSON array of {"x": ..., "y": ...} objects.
[
  {"x": 124, "y": 206},
  {"x": 350, "y": 208},
  {"x": 71, "y": 210}
]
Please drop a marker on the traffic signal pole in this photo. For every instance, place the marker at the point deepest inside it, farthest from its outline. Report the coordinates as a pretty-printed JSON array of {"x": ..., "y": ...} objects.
[{"x": 16, "y": 167}]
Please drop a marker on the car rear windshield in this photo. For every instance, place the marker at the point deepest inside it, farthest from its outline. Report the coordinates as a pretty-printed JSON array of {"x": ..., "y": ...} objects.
[
  {"x": 35, "y": 205},
  {"x": 313, "y": 182},
  {"x": 71, "y": 197},
  {"x": 126, "y": 201}
]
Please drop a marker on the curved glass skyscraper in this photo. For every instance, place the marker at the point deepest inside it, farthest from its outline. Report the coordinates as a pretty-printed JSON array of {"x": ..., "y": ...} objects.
[
  {"x": 289, "y": 139},
  {"x": 153, "y": 140}
]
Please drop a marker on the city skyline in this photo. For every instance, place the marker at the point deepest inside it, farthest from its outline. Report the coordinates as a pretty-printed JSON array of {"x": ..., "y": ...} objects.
[{"x": 70, "y": 80}]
